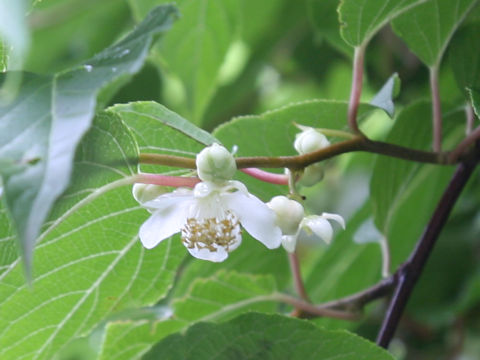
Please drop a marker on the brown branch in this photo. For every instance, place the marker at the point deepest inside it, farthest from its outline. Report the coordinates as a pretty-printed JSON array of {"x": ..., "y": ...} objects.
[
  {"x": 358, "y": 143},
  {"x": 409, "y": 273}
]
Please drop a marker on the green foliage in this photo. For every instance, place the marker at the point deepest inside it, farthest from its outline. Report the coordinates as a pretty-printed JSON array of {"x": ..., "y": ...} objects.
[
  {"x": 53, "y": 112},
  {"x": 464, "y": 57},
  {"x": 428, "y": 29},
  {"x": 76, "y": 114},
  {"x": 88, "y": 264},
  {"x": 266, "y": 337},
  {"x": 361, "y": 20}
]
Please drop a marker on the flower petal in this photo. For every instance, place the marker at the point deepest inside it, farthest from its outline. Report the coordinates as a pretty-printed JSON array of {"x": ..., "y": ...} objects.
[
  {"x": 205, "y": 254},
  {"x": 319, "y": 226},
  {"x": 170, "y": 199},
  {"x": 289, "y": 242},
  {"x": 334, "y": 217},
  {"x": 164, "y": 223},
  {"x": 255, "y": 216}
]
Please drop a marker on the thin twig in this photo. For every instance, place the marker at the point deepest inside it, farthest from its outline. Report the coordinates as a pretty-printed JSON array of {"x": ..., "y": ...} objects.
[
  {"x": 297, "y": 276},
  {"x": 409, "y": 273},
  {"x": 356, "y": 89},
  {"x": 308, "y": 308},
  {"x": 465, "y": 144},
  {"x": 358, "y": 300}
]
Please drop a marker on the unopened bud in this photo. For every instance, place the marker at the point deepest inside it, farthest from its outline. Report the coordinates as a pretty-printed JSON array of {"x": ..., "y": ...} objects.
[
  {"x": 215, "y": 164},
  {"x": 310, "y": 140},
  {"x": 312, "y": 175},
  {"x": 146, "y": 192},
  {"x": 289, "y": 214}
]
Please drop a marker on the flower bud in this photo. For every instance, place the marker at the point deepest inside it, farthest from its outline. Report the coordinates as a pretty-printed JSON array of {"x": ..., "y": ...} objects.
[
  {"x": 146, "y": 192},
  {"x": 289, "y": 214},
  {"x": 215, "y": 164},
  {"x": 310, "y": 140},
  {"x": 311, "y": 175}
]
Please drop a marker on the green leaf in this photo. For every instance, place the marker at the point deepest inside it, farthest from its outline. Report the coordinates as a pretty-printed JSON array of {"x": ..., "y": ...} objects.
[
  {"x": 260, "y": 336},
  {"x": 89, "y": 262},
  {"x": 67, "y": 32},
  {"x": 224, "y": 296},
  {"x": 405, "y": 193},
  {"x": 148, "y": 109},
  {"x": 384, "y": 98},
  {"x": 159, "y": 130},
  {"x": 361, "y": 19},
  {"x": 324, "y": 17},
  {"x": 427, "y": 29},
  {"x": 464, "y": 57},
  {"x": 129, "y": 340},
  {"x": 48, "y": 119},
  {"x": 195, "y": 49},
  {"x": 250, "y": 258},
  {"x": 219, "y": 297}
]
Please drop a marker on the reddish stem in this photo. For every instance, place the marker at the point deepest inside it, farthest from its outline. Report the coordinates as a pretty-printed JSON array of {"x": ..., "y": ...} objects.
[
  {"x": 356, "y": 89},
  {"x": 164, "y": 180},
  {"x": 297, "y": 276},
  {"x": 279, "y": 179}
]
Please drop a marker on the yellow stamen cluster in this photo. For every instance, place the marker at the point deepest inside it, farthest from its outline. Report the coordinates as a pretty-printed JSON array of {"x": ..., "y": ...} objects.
[{"x": 204, "y": 234}]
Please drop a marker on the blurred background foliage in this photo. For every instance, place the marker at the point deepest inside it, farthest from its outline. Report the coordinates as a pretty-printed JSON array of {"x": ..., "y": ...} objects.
[{"x": 249, "y": 57}]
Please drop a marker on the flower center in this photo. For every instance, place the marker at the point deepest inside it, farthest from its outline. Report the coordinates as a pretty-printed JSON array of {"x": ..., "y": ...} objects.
[{"x": 212, "y": 233}]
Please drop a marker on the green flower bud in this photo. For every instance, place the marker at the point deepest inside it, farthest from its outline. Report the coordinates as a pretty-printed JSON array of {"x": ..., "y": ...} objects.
[
  {"x": 215, "y": 164},
  {"x": 310, "y": 140},
  {"x": 146, "y": 192},
  {"x": 289, "y": 213},
  {"x": 312, "y": 175}
]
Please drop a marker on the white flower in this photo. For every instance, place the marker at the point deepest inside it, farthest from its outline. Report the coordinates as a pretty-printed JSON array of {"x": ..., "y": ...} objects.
[
  {"x": 208, "y": 218},
  {"x": 290, "y": 218}
]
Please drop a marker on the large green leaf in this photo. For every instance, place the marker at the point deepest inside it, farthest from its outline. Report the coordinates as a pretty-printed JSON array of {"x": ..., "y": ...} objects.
[
  {"x": 324, "y": 17},
  {"x": 219, "y": 297},
  {"x": 404, "y": 193},
  {"x": 89, "y": 263},
  {"x": 49, "y": 117},
  {"x": 160, "y": 130},
  {"x": 195, "y": 49},
  {"x": 362, "y": 19},
  {"x": 68, "y": 31},
  {"x": 464, "y": 57},
  {"x": 260, "y": 336},
  {"x": 427, "y": 29}
]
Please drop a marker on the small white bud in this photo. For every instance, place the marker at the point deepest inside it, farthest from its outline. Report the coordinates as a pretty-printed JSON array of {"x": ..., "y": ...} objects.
[
  {"x": 215, "y": 164},
  {"x": 310, "y": 140},
  {"x": 146, "y": 192},
  {"x": 311, "y": 175},
  {"x": 289, "y": 214}
]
